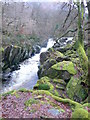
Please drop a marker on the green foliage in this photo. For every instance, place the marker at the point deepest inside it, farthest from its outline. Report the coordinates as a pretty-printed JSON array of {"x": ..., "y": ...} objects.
[
  {"x": 80, "y": 113},
  {"x": 65, "y": 65}
]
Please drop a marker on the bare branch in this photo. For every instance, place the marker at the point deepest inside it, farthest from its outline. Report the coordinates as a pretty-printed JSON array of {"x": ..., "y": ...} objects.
[
  {"x": 10, "y": 23},
  {"x": 67, "y": 16},
  {"x": 67, "y": 33}
]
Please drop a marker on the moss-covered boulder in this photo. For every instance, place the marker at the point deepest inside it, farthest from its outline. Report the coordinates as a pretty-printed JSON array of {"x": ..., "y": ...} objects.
[
  {"x": 65, "y": 65},
  {"x": 60, "y": 70},
  {"x": 80, "y": 113},
  {"x": 75, "y": 90},
  {"x": 45, "y": 84},
  {"x": 47, "y": 60},
  {"x": 52, "y": 54},
  {"x": 57, "y": 74}
]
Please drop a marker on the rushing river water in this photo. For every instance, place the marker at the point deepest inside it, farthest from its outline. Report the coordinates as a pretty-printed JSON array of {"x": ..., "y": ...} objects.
[{"x": 26, "y": 76}]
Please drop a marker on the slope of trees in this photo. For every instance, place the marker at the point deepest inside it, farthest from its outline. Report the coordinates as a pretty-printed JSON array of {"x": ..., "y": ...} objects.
[{"x": 41, "y": 20}]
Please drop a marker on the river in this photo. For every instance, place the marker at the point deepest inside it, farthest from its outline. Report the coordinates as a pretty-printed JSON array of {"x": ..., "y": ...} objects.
[{"x": 26, "y": 76}]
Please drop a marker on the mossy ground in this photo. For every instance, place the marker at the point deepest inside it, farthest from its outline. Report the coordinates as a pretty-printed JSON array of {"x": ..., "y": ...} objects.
[
  {"x": 34, "y": 100},
  {"x": 35, "y": 104}
]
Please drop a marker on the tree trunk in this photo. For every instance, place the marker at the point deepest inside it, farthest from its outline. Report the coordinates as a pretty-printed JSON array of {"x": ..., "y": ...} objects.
[{"x": 88, "y": 6}]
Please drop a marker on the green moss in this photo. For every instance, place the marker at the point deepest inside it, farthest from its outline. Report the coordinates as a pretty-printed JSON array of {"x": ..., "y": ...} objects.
[
  {"x": 43, "y": 87},
  {"x": 60, "y": 81},
  {"x": 71, "y": 54},
  {"x": 51, "y": 49},
  {"x": 44, "y": 79},
  {"x": 38, "y": 97},
  {"x": 59, "y": 99},
  {"x": 75, "y": 60},
  {"x": 65, "y": 65},
  {"x": 80, "y": 113},
  {"x": 59, "y": 54},
  {"x": 1, "y": 49},
  {"x": 8, "y": 93},
  {"x": 86, "y": 105},
  {"x": 68, "y": 52},
  {"x": 83, "y": 58},
  {"x": 53, "y": 61},
  {"x": 74, "y": 90},
  {"x": 52, "y": 73},
  {"x": 30, "y": 102},
  {"x": 44, "y": 84},
  {"x": 13, "y": 92},
  {"x": 56, "y": 93},
  {"x": 23, "y": 90},
  {"x": 60, "y": 87}
]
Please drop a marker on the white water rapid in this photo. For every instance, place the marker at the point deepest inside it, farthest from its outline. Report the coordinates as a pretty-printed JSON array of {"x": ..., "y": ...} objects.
[{"x": 26, "y": 76}]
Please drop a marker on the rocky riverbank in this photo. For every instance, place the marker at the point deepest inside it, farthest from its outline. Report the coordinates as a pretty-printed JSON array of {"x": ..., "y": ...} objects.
[
  {"x": 60, "y": 92},
  {"x": 61, "y": 68},
  {"x": 12, "y": 56}
]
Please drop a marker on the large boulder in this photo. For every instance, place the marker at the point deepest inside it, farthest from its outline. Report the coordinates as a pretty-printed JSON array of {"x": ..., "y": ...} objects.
[
  {"x": 48, "y": 59},
  {"x": 46, "y": 65},
  {"x": 44, "y": 56},
  {"x": 75, "y": 90},
  {"x": 63, "y": 70},
  {"x": 65, "y": 66}
]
